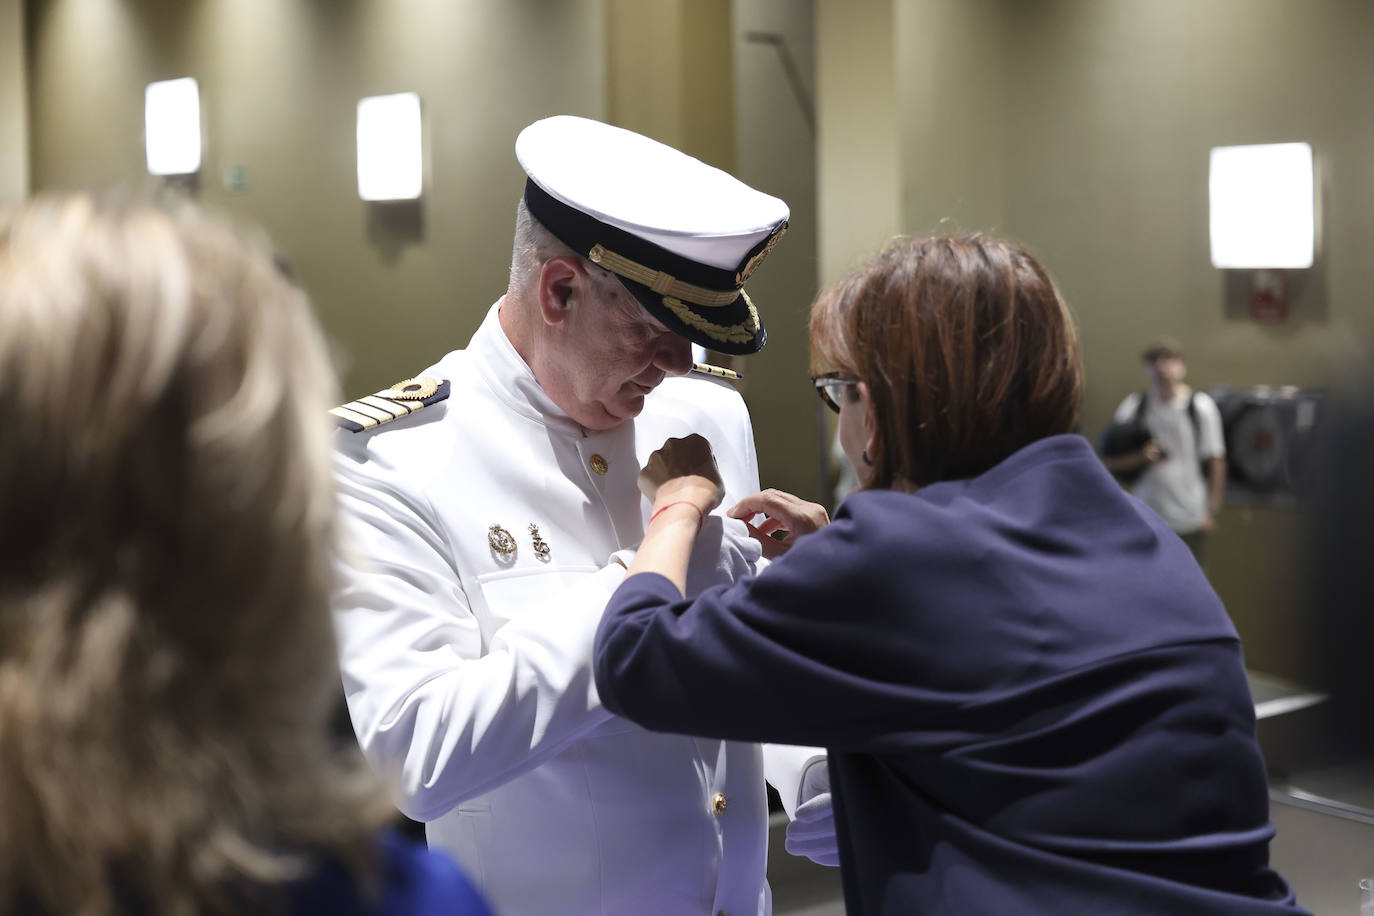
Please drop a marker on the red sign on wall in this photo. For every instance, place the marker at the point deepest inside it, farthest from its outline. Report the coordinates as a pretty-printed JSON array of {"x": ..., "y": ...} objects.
[{"x": 1268, "y": 298}]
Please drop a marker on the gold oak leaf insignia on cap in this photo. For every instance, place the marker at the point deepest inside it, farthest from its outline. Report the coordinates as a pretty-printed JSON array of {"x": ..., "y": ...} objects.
[
  {"x": 740, "y": 334},
  {"x": 757, "y": 259},
  {"x": 400, "y": 400}
]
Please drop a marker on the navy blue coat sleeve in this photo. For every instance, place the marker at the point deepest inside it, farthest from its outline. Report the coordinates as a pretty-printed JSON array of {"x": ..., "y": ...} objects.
[{"x": 803, "y": 654}]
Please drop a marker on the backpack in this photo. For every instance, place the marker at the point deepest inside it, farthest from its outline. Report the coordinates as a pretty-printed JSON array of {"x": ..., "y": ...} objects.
[{"x": 1132, "y": 434}]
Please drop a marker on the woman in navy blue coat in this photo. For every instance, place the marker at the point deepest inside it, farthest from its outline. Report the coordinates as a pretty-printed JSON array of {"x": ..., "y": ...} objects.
[{"x": 1033, "y": 700}]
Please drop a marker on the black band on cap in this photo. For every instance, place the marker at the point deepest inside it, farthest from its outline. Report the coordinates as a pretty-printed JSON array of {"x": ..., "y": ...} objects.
[{"x": 581, "y": 232}]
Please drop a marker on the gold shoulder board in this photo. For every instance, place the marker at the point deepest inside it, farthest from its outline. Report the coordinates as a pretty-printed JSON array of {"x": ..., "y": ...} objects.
[{"x": 400, "y": 400}]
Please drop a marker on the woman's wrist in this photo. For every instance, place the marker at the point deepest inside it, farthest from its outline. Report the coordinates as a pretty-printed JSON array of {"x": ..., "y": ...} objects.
[{"x": 678, "y": 507}]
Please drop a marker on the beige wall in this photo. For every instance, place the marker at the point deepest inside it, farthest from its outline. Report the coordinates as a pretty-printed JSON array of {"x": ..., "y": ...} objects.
[
  {"x": 1082, "y": 127},
  {"x": 669, "y": 74},
  {"x": 1111, "y": 111},
  {"x": 396, "y": 285},
  {"x": 861, "y": 179},
  {"x": 14, "y": 141},
  {"x": 775, "y": 67},
  {"x": 951, "y": 98}
]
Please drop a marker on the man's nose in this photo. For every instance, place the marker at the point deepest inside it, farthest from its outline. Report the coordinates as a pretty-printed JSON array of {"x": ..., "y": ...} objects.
[{"x": 674, "y": 355}]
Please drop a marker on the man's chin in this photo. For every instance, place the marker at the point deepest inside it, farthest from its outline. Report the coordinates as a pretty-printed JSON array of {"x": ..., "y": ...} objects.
[
  {"x": 627, "y": 408},
  {"x": 614, "y": 413}
]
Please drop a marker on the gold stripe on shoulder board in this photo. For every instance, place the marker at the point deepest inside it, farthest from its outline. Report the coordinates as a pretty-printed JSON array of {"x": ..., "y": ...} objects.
[
  {"x": 396, "y": 409},
  {"x": 400, "y": 400},
  {"x": 352, "y": 416},
  {"x": 367, "y": 410}
]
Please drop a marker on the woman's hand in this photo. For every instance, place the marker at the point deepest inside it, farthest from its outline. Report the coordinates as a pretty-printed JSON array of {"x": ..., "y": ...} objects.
[
  {"x": 683, "y": 470},
  {"x": 788, "y": 514}
]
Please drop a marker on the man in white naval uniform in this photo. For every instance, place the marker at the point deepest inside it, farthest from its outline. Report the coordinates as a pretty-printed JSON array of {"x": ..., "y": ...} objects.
[{"x": 482, "y": 532}]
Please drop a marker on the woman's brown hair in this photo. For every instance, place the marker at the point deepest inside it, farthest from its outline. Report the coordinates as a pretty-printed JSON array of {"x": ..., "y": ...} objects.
[
  {"x": 167, "y": 667},
  {"x": 967, "y": 349}
]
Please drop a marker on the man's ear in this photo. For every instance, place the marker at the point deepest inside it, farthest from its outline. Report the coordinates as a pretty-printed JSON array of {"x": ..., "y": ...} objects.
[{"x": 560, "y": 279}]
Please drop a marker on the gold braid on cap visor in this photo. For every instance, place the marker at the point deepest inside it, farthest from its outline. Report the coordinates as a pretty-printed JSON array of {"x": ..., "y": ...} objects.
[
  {"x": 742, "y": 333},
  {"x": 660, "y": 282},
  {"x": 675, "y": 291}
]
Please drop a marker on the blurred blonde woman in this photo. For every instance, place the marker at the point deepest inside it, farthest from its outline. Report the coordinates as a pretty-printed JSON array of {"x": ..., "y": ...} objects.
[{"x": 166, "y": 659}]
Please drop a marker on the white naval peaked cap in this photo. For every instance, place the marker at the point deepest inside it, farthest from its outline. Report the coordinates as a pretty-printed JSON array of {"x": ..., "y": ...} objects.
[{"x": 682, "y": 236}]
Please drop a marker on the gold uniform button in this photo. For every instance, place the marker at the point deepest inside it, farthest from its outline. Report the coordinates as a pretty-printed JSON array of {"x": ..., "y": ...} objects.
[
  {"x": 599, "y": 464},
  {"x": 718, "y": 803}
]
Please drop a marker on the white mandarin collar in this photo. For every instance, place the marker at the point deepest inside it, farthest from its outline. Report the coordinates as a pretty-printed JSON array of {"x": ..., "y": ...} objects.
[{"x": 510, "y": 378}]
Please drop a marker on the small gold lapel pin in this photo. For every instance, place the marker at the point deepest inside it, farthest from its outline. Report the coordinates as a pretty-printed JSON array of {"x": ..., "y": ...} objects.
[
  {"x": 501, "y": 542},
  {"x": 541, "y": 547}
]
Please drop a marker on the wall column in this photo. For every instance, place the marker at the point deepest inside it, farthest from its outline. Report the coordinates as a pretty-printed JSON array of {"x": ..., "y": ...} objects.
[
  {"x": 14, "y": 118},
  {"x": 670, "y": 75},
  {"x": 858, "y": 169}
]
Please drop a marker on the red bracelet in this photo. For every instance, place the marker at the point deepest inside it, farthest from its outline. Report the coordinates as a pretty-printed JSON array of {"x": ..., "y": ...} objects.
[{"x": 681, "y": 502}]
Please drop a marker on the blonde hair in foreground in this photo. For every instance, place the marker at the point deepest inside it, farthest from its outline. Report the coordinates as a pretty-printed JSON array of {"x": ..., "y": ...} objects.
[{"x": 167, "y": 665}]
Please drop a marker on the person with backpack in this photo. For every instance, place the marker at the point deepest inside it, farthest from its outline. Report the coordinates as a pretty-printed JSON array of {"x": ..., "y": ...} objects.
[{"x": 1176, "y": 460}]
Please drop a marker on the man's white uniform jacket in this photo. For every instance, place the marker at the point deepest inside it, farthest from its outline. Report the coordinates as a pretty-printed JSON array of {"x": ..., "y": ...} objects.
[{"x": 468, "y": 669}]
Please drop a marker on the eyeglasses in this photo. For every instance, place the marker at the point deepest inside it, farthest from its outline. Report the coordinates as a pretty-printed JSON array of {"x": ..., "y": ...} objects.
[{"x": 831, "y": 387}]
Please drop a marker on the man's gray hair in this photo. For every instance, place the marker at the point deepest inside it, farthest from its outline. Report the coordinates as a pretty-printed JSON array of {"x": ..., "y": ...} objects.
[{"x": 535, "y": 244}]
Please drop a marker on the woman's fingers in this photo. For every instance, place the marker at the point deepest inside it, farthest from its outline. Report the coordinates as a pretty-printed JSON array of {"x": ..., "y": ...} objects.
[
  {"x": 785, "y": 513},
  {"x": 769, "y": 525},
  {"x": 772, "y": 547},
  {"x": 797, "y": 515},
  {"x": 756, "y": 503}
]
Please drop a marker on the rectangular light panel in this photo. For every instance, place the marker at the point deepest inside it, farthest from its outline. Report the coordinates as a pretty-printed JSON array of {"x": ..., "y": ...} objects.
[
  {"x": 171, "y": 119},
  {"x": 1262, "y": 206},
  {"x": 390, "y": 163}
]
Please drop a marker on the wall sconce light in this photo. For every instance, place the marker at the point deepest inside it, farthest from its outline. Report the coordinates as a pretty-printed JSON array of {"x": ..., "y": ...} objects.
[
  {"x": 171, "y": 119},
  {"x": 390, "y": 159},
  {"x": 1263, "y": 206}
]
